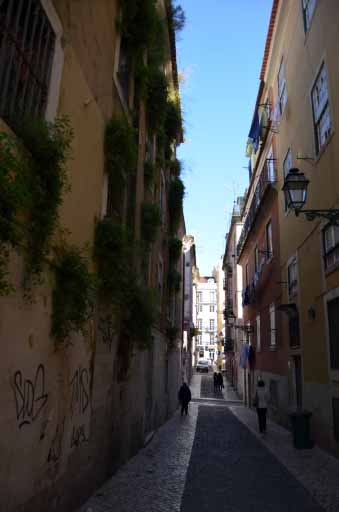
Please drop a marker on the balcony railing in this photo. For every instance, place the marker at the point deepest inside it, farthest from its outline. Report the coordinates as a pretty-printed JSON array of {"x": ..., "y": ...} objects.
[{"x": 268, "y": 177}]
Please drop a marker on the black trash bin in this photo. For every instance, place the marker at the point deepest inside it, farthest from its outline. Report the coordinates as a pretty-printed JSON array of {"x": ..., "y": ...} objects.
[{"x": 300, "y": 421}]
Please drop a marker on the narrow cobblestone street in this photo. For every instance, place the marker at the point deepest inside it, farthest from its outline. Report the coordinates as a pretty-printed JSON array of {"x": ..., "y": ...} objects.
[{"x": 214, "y": 459}]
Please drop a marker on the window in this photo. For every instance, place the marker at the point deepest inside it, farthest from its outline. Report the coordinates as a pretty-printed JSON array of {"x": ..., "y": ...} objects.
[
  {"x": 287, "y": 165},
  {"x": 124, "y": 69},
  {"x": 273, "y": 341},
  {"x": 308, "y": 11},
  {"x": 199, "y": 324},
  {"x": 282, "y": 92},
  {"x": 292, "y": 278},
  {"x": 258, "y": 333},
  {"x": 199, "y": 297},
  {"x": 256, "y": 259},
  {"x": 212, "y": 309},
  {"x": 211, "y": 339},
  {"x": 212, "y": 296},
  {"x": 333, "y": 327},
  {"x": 270, "y": 166},
  {"x": 294, "y": 333},
  {"x": 321, "y": 110},
  {"x": 27, "y": 45},
  {"x": 269, "y": 243},
  {"x": 331, "y": 245},
  {"x": 212, "y": 324},
  {"x": 206, "y": 347}
]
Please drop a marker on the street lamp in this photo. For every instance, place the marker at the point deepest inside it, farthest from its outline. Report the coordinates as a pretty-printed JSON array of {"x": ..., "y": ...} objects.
[{"x": 295, "y": 190}]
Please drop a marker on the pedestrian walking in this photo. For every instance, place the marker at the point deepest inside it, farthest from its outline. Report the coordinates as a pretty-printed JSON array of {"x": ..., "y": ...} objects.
[
  {"x": 215, "y": 381},
  {"x": 260, "y": 401},
  {"x": 184, "y": 397},
  {"x": 220, "y": 381}
]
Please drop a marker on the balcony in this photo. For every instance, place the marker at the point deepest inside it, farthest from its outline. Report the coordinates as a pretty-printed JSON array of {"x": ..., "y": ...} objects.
[{"x": 267, "y": 179}]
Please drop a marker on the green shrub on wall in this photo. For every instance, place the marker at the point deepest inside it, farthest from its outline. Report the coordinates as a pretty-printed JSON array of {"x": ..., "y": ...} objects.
[
  {"x": 156, "y": 102},
  {"x": 113, "y": 252},
  {"x": 150, "y": 222},
  {"x": 174, "y": 280},
  {"x": 175, "y": 249},
  {"x": 32, "y": 183},
  {"x": 121, "y": 148},
  {"x": 175, "y": 202},
  {"x": 73, "y": 294},
  {"x": 149, "y": 174},
  {"x": 49, "y": 145}
]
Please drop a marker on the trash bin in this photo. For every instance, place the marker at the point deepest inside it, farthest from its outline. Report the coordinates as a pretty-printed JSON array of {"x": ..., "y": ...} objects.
[{"x": 300, "y": 421}]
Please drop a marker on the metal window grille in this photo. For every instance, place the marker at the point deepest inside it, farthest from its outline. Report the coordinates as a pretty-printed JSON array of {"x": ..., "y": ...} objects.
[{"x": 27, "y": 43}]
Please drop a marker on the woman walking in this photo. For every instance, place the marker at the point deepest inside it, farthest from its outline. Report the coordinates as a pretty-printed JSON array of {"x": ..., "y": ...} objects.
[{"x": 261, "y": 400}]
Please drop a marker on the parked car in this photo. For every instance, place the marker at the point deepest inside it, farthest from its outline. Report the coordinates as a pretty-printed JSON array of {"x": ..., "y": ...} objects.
[{"x": 202, "y": 365}]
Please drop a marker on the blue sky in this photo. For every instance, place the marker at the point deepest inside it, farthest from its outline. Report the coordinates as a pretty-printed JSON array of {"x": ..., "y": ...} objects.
[{"x": 220, "y": 53}]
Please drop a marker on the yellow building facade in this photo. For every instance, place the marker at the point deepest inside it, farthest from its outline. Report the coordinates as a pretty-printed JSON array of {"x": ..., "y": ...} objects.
[{"x": 300, "y": 78}]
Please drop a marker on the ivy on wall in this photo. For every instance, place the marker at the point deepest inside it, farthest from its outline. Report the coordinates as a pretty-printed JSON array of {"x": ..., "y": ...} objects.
[
  {"x": 32, "y": 182},
  {"x": 150, "y": 222},
  {"x": 120, "y": 148},
  {"x": 175, "y": 202},
  {"x": 74, "y": 293}
]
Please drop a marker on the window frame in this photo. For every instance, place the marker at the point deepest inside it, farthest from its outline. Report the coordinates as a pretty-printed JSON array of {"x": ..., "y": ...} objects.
[
  {"x": 319, "y": 116},
  {"x": 212, "y": 324},
  {"x": 269, "y": 240},
  {"x": 288, "y": 159},
  {"x": 308, "y": 19},
  {"x": 256, "y": 259},
  {"x": 53, "y": 70},
  {"x": 292, "y": 284},
  {"x": 282, "y": 88},
  {"x": 332, "y": 250},
  {"x": 272, "y": 327},
  {"x": 258, "y": 333}
]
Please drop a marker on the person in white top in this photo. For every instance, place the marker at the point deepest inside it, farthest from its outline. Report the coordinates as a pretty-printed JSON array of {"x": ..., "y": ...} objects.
[{"x": 261, "y": 400}]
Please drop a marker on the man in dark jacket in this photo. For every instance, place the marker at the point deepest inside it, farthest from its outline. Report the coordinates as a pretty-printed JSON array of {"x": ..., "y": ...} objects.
[{"x": 184, "y": 397}]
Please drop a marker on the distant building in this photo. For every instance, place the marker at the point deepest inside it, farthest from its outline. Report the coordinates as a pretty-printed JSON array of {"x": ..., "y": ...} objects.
[
  {"x": 233, "y": 311},
  {"x": 206, "y": 317},
  {"x": 188, "y": 351}
]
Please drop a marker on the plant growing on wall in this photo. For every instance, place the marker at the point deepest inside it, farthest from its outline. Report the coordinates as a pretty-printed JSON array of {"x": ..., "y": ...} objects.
[
  {"x": 113, "y": 251},
  {"x": 73, "y": 294},
  {"x": 156, "y": 101},
  {"x": 175, "y": 167},
  {"x": 173, "y": 119},
  {"x": 32, "y": 183},
  {"x": 175, "y": 249},
  {"x": 49, "y": 145},
  {"x": 175, "y": 202},
  {"x": 120, "y": 148},
  {"x": 149, "y": 173},
  {"x": 174, "y": 280},
  {"x": 150, "y": 222}
]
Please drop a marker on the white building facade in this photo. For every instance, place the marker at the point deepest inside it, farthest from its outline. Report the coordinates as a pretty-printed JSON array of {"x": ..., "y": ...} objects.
[{"x": 206, "y": 317}]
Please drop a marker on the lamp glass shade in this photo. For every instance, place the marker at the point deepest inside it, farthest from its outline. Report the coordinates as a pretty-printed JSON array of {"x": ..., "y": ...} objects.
[{"x": 295, "y": 189}]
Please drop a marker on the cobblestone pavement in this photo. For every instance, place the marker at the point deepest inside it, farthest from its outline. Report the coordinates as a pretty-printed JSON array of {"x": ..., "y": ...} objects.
[
  {"x": 230, "y": 470},
  {"x": 215, "y": 458},
  {"x": 315, "y": 469}
]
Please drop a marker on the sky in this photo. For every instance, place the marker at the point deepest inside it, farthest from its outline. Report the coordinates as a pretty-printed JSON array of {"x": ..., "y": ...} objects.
[{"x": 220, "y": 53}]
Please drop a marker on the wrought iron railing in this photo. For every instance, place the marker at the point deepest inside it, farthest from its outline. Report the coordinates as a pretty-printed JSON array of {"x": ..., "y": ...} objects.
[{"x": 268, "y": 177}]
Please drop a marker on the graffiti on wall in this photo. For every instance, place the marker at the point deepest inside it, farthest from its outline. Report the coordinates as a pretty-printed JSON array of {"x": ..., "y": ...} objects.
[
  {"x": 80, "y": 391},
  {"x": 30, "y": 396},
  {"x": 55, "y": 450},
  {"x": 80, "y": 401},
  {"x": 106, "y": 327}
]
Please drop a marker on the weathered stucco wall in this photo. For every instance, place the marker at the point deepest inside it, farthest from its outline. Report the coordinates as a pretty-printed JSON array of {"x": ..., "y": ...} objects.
[{"x": 66, "y": 422}]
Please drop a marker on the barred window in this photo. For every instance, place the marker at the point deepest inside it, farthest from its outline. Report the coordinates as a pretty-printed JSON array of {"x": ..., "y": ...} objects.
[
  {"x": 321, "y": 110},
  {"x": 331, "y": 245},
  {"x": 292, "y": 278},
  {"x": 27, "y": 43},
  {"x": 282, "y": 91}
]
